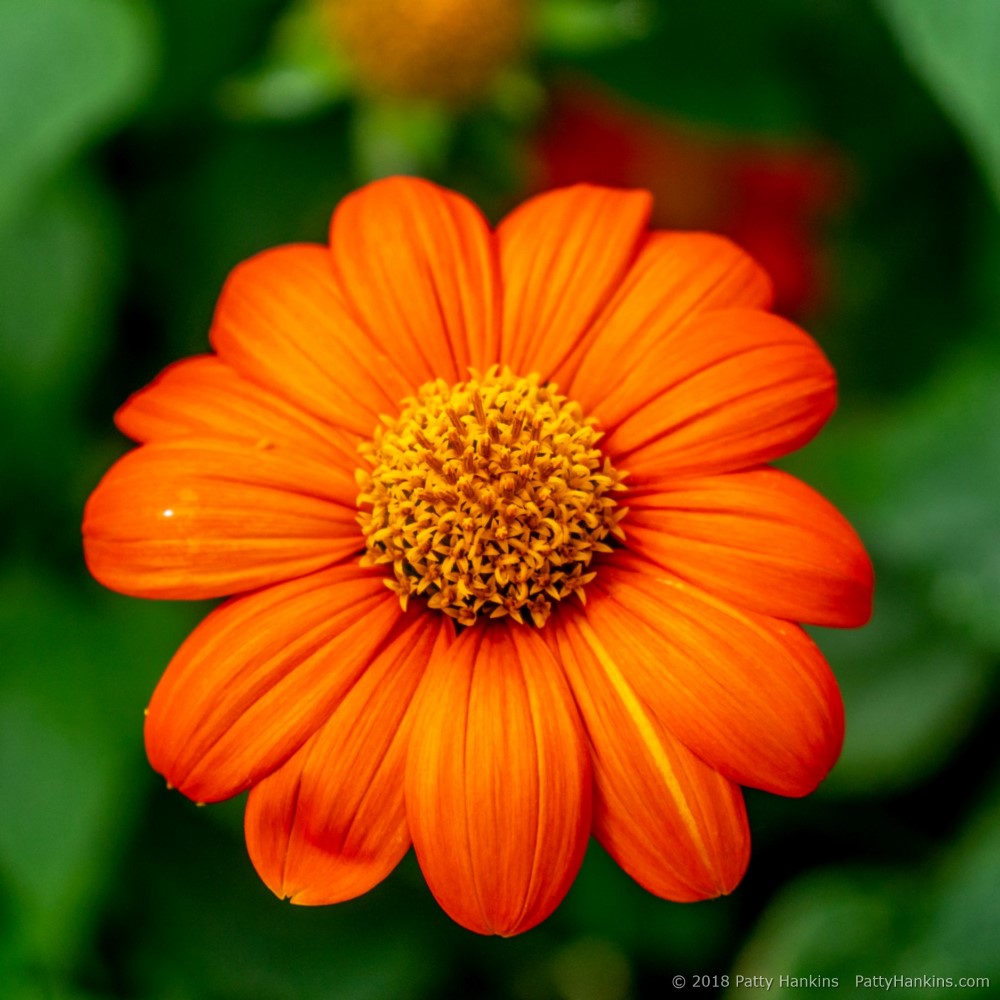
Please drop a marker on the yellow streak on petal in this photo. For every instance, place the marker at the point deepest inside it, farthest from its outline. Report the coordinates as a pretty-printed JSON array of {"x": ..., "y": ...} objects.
[{"x": 648, "y": 734}]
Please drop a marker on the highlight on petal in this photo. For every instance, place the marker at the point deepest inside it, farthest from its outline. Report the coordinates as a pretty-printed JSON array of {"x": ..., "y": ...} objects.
[
  {"x": 498, "y": 784},
  {"x": 330, "y": 823},
  {"x": 203, "y": 396},
  {"x": 676, "y": 277},
  {"x": 563, "y": 255},
  {"x": 417, "y": 267},
  {"x": 281, "y": 323},
  {"x": 761, "y": 539},
  {"x": 733, "y": 389},
  {"x": 260, "y": 675},
  {"x": 208, "y": 517},
  {"x": 751, "y": 696},
  {"x": 675, "y": 825}
]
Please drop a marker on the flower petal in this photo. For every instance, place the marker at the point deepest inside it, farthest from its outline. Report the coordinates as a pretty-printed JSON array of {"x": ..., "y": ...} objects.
[
  {"x": 418, "y": 268},
  {"x": 676, "y": 276},
  {"x": 282, "y": 324},
  {"x": 734, "y": 389},
  {"x": 761, "y": 539},
  {"x": 203, "y": 397},
  {"x": 563, "y": 255},
  {"x": 675, "y": 825},
  {"x": 498, "y": 781},
  {"x": 330, "y": 823},
  {"x": 750, "y": 695},
  {"x": 204, "y": 517},
  {"x": 260, "y": 675}
]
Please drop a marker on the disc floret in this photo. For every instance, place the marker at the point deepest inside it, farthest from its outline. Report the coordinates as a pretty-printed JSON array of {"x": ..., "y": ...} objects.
[{"x": 488, "y": 498}]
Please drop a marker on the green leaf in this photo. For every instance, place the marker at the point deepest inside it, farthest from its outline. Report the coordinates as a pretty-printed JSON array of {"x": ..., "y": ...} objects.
[
  {"x": 960, "y": 937},
  {"x": 58, "y": 269},
  {"x": 209, "y": 928},
  {"x": 40, "y": 984},
  {"x": 955, "y": 46},
  {"x": 77, "y": 676},
  {"x": 586, "y": 25},
  {"x": 301, "y": 74},
  {"x": 939, "y": 479},
  {"x": 834, "y": 923},
  {"x": 203, "y": 44},
  {"x": 936, "y": 920},
  {"x": 920, "y": 481},
  {"x": 400, "y": 138},
  {"x": 68, "y": 70},
  {"x": 910, "y": 689}
]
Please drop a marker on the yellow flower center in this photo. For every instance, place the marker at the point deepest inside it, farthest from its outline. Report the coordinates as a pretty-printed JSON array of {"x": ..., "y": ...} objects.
[
  {"x": 438, "y": 50},
  {"x": 489, "y": 497}
]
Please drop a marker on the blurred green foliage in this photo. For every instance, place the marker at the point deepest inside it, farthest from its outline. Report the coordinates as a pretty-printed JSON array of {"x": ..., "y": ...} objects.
[
  {"x": 145, "y": 148},
  {"x": 936, "y": 919},
  {"x": 956, "y": 46},
  {"x": 69, "y": 69}
]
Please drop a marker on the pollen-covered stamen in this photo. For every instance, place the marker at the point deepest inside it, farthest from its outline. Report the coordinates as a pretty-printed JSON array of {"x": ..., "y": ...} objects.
[{"x": 488, "y": 498}]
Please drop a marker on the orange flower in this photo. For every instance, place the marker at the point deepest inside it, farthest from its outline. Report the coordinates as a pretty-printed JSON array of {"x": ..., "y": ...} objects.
[
  {"x": 500, "y": 660},
  {"x": 450, "y": 51}
]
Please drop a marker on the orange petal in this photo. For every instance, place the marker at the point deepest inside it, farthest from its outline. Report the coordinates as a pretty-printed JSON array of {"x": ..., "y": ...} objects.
[
  {"x": 204, "y": 397},
  {"x": 761, "y": 539},
  {"x": 260, "y": 675},
  {"x": 675, "y": 825},
  {"x": 330, "y": 823},
  {"x": 750, "y": 695},
  {"x": 281, "y": 323},
  {"x": 733, "y": 389},
  {"x": 676, "y": 276},
  {"x": 498, "y": 781},
  {"x": 563, "y": 255},
  {"x": 417, "y": 265},
  {"x": 203, "y": 517}
]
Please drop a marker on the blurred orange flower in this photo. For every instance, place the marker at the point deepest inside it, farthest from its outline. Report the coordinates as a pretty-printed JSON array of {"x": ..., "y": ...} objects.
[
  {"x": 771, "y": 199},
  {"x": 483, "y": 653},
  {"x": 436, "y": 50}
]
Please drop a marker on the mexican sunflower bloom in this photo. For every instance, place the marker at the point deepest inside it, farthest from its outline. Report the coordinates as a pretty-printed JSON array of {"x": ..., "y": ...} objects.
[
  {"x": 448, "y": 51},
  {"x": 505, "y": 561}
]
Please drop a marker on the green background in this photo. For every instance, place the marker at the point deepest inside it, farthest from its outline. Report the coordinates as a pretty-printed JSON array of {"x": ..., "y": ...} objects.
[{"x": 146, "y": 148}]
